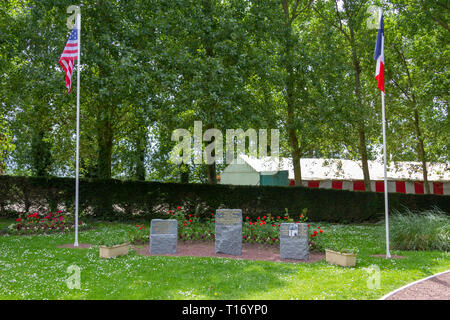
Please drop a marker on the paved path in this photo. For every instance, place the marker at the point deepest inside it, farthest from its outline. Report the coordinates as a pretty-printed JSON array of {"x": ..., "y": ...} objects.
[{"x": 436, "y": 287}]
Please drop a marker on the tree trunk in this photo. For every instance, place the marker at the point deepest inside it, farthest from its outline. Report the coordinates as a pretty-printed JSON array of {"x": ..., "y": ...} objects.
[
  {"x": 211, "y": 168},
  {"x": 292, "y": 134},
  {"x": 184, "y": 173},
  {"x": 141, "y": 143},
  {"x": 421, "y": 151},
  {"x": 212, "y": 178},
  {"x": 290, "y": 102},
  {"x": 359, "y": 105},
  {"x": 104, "y": 140},
  {"x": 40, "y": 154}
]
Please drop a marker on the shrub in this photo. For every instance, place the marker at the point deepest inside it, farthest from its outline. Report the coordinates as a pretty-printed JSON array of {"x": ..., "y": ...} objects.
[
  {"x": 426, "y": 230},
  {"x": 115, "y": 239},
  {"x": 136, "y": 200},
  {"x": 139, "y": 235}
]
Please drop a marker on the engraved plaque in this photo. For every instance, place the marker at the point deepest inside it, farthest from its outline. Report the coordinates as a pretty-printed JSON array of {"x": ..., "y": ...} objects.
[
  {"x": 229, "y": 217},
  {"x": 294, "y": 241}
]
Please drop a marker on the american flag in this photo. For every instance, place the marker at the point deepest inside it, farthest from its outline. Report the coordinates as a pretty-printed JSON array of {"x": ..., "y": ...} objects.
[{"x": 69, "y": 55}]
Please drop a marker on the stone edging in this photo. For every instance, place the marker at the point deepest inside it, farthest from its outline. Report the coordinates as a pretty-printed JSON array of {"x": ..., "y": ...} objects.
[{"x": 411, "y": 284}]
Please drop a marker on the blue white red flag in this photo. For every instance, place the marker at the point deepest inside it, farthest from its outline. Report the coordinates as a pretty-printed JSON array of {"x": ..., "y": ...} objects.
[
  {"x": 69, "y": 55},
  {"x": 379, "y": 55}
]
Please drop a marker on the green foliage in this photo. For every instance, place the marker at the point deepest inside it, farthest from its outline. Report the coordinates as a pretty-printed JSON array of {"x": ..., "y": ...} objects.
[
  {"x": 6, "y": 144},
  {"x": 131, "y": 200},
  {"x": 139, "y": 234},
  {"x": 153, "y": 66},
  {"x": 342, "y": 246},
  {"x": 116, "y": 237},
  {"x": 426, "y": 230}
]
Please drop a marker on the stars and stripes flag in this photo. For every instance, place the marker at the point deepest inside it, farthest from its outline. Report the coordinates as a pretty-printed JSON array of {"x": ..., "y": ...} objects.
[
  {"x": 69, "y": 55},
  {"x": 379, "y": 55}
]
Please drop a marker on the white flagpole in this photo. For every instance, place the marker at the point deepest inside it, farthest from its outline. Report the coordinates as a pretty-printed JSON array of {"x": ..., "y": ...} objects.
[
  {"x": 386, "y": 208},
  {"x": 78, "y": 130}
]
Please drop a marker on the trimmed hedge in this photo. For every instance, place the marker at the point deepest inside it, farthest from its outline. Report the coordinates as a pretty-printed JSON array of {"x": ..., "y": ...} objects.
[{"x": 125, "y": 200}]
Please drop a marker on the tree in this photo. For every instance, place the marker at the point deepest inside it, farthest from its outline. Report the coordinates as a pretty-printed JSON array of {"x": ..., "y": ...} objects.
[
  {"x": 348, "y": 16},
  {"x": 418, "y": 76}
]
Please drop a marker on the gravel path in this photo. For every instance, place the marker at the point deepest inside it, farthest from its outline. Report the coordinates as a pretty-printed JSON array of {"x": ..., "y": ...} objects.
[{"x": 436, "y": 287}]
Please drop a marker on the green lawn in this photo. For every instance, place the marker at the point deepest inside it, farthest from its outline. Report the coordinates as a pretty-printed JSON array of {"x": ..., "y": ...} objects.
[{"x": 31, "y": 267}]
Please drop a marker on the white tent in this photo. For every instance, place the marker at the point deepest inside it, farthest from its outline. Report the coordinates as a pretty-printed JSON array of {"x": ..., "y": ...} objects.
[{"x": 246, "y": 171}]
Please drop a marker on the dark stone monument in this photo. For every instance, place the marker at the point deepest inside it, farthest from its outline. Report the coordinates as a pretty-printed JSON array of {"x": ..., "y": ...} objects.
[
  {"x": 163, "y": 236},
  {"x": 294, "y": 241},
  {"x": 228, "y": 238}
]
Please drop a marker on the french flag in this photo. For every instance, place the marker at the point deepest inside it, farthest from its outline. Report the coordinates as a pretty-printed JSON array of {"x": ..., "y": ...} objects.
[{"x": 379, "y": 55}]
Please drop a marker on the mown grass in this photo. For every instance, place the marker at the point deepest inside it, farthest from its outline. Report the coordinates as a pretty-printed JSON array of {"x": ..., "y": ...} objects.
[{"x": 32, "y": 267}]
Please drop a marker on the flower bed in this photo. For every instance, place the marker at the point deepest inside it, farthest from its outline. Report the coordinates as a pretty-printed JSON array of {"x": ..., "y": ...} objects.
[
  {"x": 37, "y": 223},
  {"x": 264, "y": 230}
]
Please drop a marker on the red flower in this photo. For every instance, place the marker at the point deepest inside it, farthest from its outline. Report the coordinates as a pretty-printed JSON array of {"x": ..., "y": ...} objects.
[
  {"x": 301, "y": 216},
  {"x": 318, "y": 227},
  {"x": 285, "y": 217},
  {"x": 190, "y": 220},
  {"x": 264, "y": 217},
  {"x": 273, "y": 225},
  {"x": 297, "y": 222},
  {"x": 212, "y": 214},
  {"x": 312, "y": 236},
  {"x": 315, "y": 233},
  {"x": 59, "y": 211},
  {"x": 321, "y": 231},
  {"x": 247, "y": 218},
  {"x": 309, "y": 225},
  {"x": 178, "y": 208},
  {"x": 170, "y": 211},
  {"x": 250, "y": 223},
  {"x": 189, "y": 215},
  {"x": 259, "y": 218},
  {"x": 278, "y": 225},
  {"x": 18, "y": 219}
]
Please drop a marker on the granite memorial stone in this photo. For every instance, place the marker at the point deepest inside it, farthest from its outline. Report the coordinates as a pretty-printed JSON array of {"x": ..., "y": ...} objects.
[
  {"x": 228, "y": 238},
  {"x": 163, "y": 236},
  {"x": 294, "y": 241}
]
